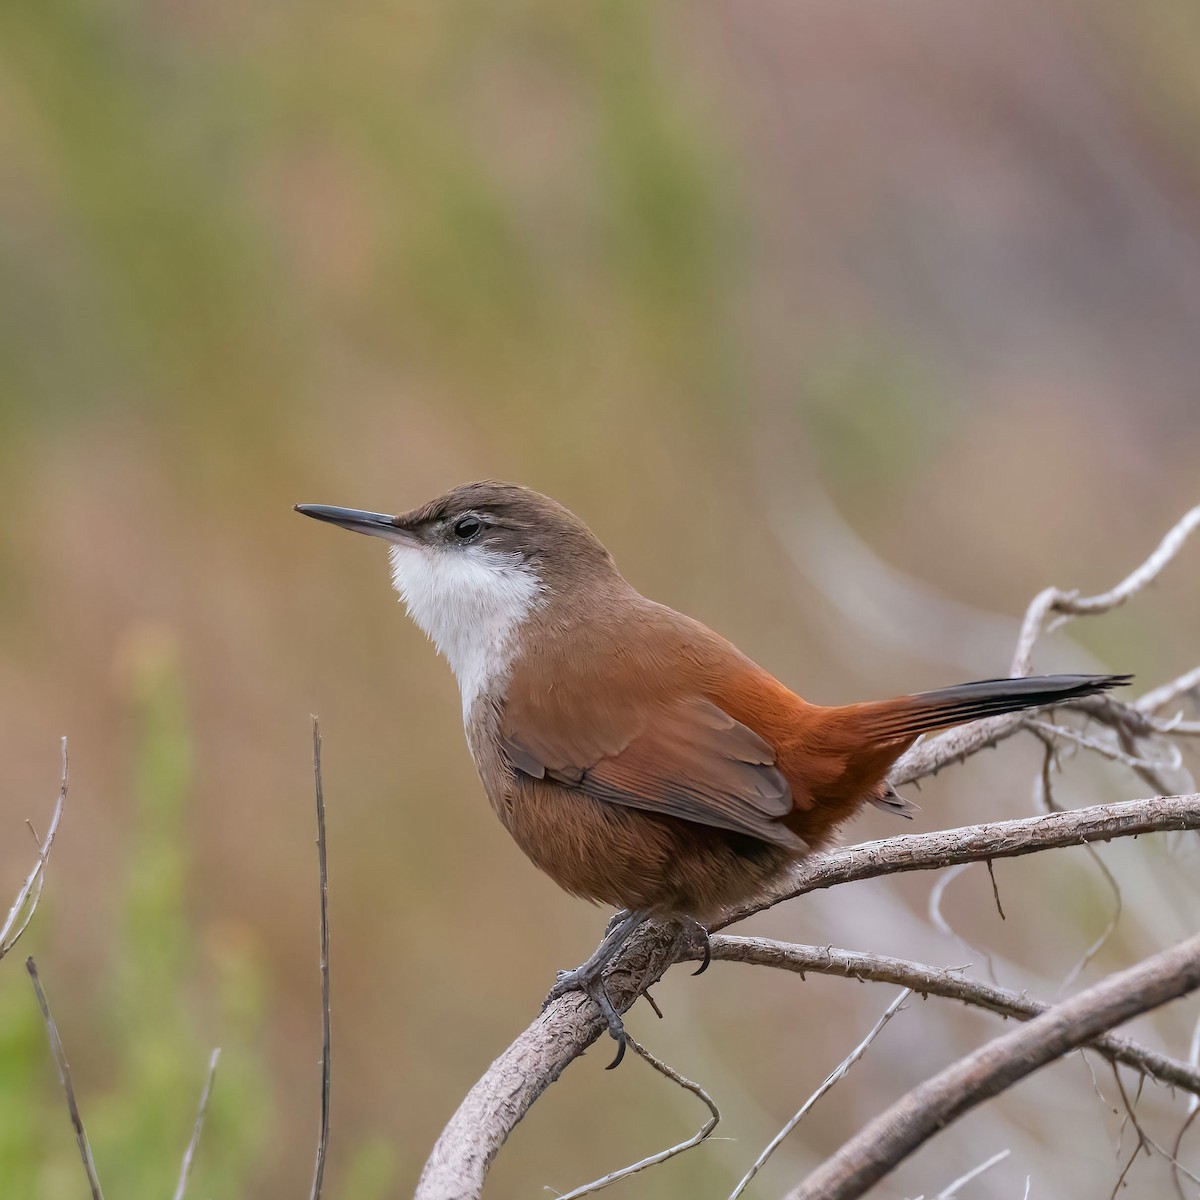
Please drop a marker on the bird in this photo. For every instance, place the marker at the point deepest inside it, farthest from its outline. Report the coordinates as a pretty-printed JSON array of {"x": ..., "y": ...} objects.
[{"x": 637, "y": 757}]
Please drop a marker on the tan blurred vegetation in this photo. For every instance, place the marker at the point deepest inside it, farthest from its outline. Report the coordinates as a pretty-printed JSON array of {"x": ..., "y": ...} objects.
[{"x": 709, "y": 274}]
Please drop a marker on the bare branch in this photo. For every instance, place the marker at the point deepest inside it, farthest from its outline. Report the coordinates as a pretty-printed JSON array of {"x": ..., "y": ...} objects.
[
  {"x": 323, "y": 1137},
  {"x": 654, "y": 1159},
  {"x": 951, "y": 985},
  {"x": 974, "y": 843},
  {"x": 839, "y": 1072},
  {"x": 31, "y": 890},
  {"x": 185, "y": 1168},
  {"x": 64, "y": 1075},
  {"x": 888, "y": 1139}
]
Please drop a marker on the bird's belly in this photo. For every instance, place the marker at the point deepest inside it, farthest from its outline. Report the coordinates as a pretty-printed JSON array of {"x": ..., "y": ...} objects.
[{"x": 633, "y": 859}]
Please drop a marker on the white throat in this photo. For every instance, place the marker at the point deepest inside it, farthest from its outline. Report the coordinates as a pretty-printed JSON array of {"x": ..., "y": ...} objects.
[{"x": 469, "y": 601}]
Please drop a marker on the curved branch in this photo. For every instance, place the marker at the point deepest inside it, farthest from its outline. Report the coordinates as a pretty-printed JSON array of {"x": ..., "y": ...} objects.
[
  {"x": 888, "y": 1139},
  {"x": 938, "y": 981}
]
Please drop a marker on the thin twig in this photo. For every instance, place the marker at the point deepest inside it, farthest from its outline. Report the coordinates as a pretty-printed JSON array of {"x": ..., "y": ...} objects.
[
  {"x": 185, "y": 1168},
  {"x": 928, "y": 980},
  {"x": 31, "y": 890},
  {"x": 323, "y": 1137},
  {"x": 889, "y": 1138},
  {"x": 654, "y": 1159},
  {"x": 953, "y": 1189},
  {"x": 1102, "y": 748},
  {"x": 838, "y": 1073},
  {"x": 991, "y": 866},
  {"x": 64, "y": 1075}
]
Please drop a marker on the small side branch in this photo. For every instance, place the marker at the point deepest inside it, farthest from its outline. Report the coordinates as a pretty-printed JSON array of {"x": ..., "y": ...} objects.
[
  {"x": 661, "y": 1157},
  {"x": 838, "y": 1073},
  {"x": 888, "y": 1139}
]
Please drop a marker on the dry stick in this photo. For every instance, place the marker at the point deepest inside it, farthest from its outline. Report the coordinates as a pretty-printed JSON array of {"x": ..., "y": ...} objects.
[
  {"x": 974, "y": 843},
  {"x": 64, "y": 1075},
  {"x": 185, "y": 1169},
  {"x": 952, "y": 1189},
  {"x": 838, "y": 1073},
  {"x": 654, "y": 1159},
  {"x": 323, "y": 1138},
  {"x": 31, "y": 889},
  {"x": 888, "y": 1139},
  {"x": 495, "y": 1105},
  {"x": 950, "y": 985}
]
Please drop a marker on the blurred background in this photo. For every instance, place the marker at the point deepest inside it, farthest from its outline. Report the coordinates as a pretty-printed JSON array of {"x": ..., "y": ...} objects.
[{"x": 847, "y": 327}]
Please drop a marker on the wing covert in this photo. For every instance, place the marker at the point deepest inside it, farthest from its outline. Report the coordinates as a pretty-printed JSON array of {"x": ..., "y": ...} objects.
[{"x": 686, "y": 758}]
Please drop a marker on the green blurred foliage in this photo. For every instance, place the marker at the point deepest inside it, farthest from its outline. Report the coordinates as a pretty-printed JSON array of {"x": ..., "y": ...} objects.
[{"x": 151, "y": 1053}]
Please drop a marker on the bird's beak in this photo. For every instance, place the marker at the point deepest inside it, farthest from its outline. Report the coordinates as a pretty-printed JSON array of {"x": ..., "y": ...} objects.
[{"x": 355, "y": 519}]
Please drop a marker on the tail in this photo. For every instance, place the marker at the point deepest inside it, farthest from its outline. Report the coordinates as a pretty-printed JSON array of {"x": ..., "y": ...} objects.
[{"x": 905, "y": 717}]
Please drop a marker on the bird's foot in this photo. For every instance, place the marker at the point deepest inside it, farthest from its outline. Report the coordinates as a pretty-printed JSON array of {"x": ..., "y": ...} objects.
[{"x": 591, "y": 984}]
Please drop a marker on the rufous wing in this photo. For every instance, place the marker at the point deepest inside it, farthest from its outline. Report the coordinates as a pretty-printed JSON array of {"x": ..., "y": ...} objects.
[{"x": 685, "y": 758}]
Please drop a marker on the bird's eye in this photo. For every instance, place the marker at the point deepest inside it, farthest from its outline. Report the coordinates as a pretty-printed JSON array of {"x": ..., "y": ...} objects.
[{"x": 466, "y": 528}]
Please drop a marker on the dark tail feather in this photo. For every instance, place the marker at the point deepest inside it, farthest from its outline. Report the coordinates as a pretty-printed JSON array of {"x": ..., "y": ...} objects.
[{"x": 907, "y": 716}]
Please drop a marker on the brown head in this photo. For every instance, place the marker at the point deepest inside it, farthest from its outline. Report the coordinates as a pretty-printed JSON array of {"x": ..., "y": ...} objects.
[{"x": 474, "y": 564}]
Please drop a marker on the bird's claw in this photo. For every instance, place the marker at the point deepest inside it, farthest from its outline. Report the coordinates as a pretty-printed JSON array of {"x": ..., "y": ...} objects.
[{"x": 700, "y": 934}]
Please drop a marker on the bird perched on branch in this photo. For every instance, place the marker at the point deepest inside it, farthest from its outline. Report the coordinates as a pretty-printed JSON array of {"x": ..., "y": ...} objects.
[{"x": 637, "y": 757}]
